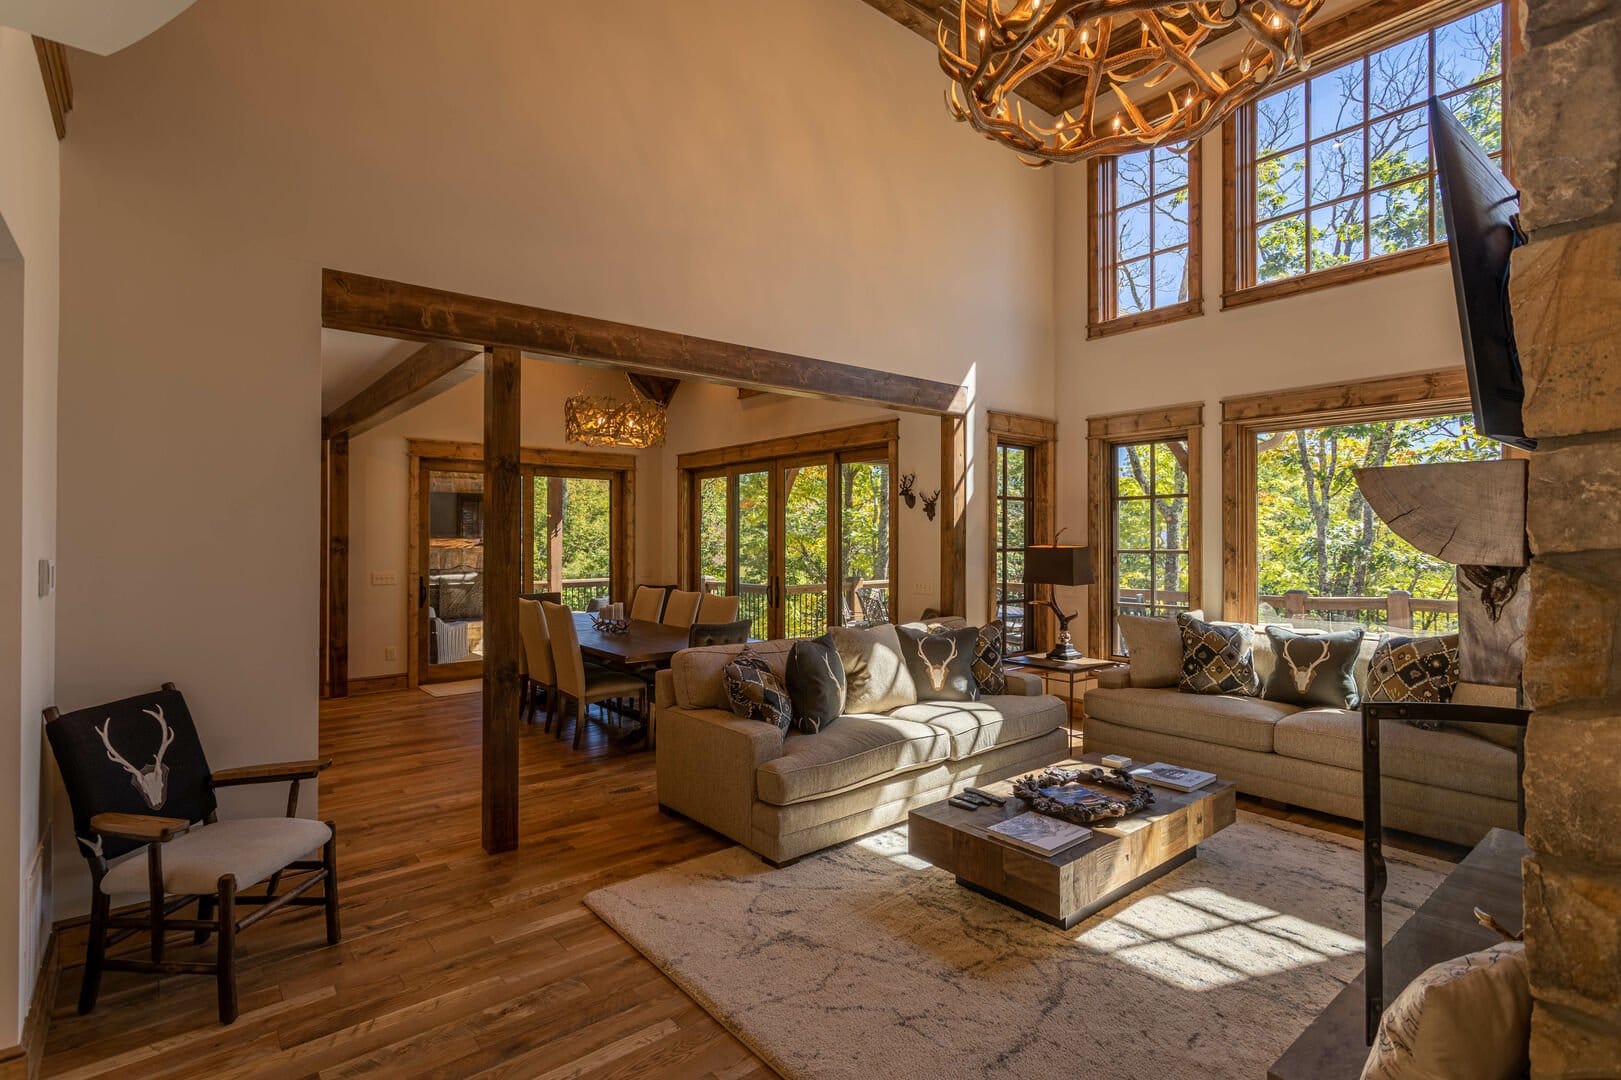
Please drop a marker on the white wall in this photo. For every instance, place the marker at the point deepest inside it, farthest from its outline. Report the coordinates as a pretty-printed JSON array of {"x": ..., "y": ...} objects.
[
  {"x": 1386, "y": 325},
  {"x": 29, "y": 306},
  {"x": 778, "y": 174}
]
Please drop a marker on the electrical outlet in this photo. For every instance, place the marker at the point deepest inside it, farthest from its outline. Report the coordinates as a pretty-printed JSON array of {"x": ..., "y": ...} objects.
[
  {"x": 47, "y": 577},
  {"x": 382, "y": 577},
  {"x": 390, "y": 653}
]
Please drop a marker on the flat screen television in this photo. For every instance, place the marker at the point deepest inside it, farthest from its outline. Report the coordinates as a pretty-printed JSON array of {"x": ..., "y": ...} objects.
[{"x": 1480, "y": 207}]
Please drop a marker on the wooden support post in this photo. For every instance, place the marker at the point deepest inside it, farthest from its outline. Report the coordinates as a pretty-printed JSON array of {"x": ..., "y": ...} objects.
[
  {"x": 503, "y": 502},
  {"x": 325, "y": 561},
  {"x": 555, "y": 492},
  {"x": 337, "y": 574},
  {"x": 1399, "y": 609},
  {"x": 953, "y": 516}
]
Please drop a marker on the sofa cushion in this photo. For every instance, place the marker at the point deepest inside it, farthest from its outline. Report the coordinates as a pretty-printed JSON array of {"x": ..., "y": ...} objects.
[
  {"x": 1226, "y": 719},
  {"x": 855, "y": 749},
  {"x": 876, "y": 678},
  {"x": 695, "y": 674},
  {"x": 1154, "y": 643},
  {"x": 1453, "y": 760},
  {"x": 941, "y": 661},
  {"x": 977, "y": 726}
]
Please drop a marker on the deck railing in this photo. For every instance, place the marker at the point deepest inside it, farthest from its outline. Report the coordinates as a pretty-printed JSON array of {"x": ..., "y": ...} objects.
[
  {"x": 805, "y": 611},
  {"x": 1396, "y": 610}
]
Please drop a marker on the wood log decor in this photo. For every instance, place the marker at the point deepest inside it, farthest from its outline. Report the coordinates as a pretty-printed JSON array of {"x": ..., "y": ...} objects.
[{"x": 1471, "y": 513}]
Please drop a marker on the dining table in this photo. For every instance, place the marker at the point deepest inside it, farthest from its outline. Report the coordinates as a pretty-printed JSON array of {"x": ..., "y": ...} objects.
[{"x": 642, "y": 644}]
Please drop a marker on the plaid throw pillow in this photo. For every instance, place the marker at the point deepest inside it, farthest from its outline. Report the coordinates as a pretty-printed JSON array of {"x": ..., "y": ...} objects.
[
  {"x": 1217, "y": 659},
  {"x": 1414, "y": 669},
  {"x": 755, "y": 692}
]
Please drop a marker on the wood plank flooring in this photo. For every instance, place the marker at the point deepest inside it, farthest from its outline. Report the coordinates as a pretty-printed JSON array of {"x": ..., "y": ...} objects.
[{"x": 453, "y": 963}]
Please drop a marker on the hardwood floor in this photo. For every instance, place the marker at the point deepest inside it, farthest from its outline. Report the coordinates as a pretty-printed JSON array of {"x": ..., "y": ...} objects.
[{"x": 453, "y": 963}]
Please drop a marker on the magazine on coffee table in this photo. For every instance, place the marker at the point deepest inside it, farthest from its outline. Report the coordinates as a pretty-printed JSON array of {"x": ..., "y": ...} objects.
[
  {"x": 1174, "y": 777},
  {"x": 1038, "y": 833}
]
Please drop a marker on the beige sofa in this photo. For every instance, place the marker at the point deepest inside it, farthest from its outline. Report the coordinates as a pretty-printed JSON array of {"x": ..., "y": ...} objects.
[
  {"x": 1450, "y": 784},
  {"x": 786, "y": 796}
]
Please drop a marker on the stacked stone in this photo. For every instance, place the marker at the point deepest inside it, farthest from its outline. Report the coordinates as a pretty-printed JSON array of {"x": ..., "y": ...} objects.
[{"x": 1564, "y": 131}]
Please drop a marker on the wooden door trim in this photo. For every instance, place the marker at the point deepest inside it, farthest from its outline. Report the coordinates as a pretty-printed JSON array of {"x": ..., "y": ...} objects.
[{"x": 857, "y": 436}]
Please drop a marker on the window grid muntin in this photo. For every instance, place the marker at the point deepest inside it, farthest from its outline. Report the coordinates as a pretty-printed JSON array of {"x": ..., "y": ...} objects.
[
  {"x": 1154, "y": 552},
  {"x": 1015, "y": 640},
  {"x": 1109, "y": 234}
]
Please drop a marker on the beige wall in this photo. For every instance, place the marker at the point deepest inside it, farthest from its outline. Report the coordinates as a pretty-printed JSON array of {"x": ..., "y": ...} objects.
[
  {"x": 1387, "y": 325},
  {"x": 28, "y": 369},
  {"x": 778, "y": 174}
]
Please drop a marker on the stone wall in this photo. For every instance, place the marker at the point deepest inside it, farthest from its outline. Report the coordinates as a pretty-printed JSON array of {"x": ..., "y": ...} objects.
[{"x": 1565, "y": 132}]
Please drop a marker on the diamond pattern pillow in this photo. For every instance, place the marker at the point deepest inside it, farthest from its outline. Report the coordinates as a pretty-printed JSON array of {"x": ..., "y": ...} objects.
[
  {"x": 1414, "y": 669},
  {"x": 1217, "y": 659},
  {"x": 989, "y": 652},
  {"x": 755, "y": 692}
]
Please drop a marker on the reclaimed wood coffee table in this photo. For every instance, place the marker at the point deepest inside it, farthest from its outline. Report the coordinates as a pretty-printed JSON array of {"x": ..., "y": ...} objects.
[{"x": 1122, "y": 855}]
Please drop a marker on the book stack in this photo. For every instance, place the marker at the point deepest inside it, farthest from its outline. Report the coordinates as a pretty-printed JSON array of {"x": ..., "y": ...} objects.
[
  {"x": 1038, "y": 833},
  {"x": 1174, "y": 777}
]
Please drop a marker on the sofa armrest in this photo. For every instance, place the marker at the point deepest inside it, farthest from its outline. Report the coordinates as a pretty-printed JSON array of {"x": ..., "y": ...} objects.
[
  {"x": 706, "y": 760},
  {"x": 664, "y": 689},
  {"x": 1024, "y": 684},
  {"x": 1114, "y": 678}
]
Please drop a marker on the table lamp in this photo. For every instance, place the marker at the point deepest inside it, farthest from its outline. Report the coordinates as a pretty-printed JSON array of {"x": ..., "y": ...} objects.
[{"x": 1058, "y": 564}]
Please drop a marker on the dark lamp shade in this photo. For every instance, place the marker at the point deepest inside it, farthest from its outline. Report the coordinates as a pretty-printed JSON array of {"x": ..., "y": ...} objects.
[{"x": 1050, "y": 564}]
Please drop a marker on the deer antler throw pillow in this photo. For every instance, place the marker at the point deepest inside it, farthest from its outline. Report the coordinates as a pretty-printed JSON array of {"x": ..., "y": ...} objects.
[{"x": 1314, "y": 669}]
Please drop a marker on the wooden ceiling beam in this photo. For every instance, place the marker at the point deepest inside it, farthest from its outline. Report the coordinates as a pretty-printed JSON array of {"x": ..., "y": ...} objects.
[
  {"x": 426, "y": 373},
  {"x": 53, "y": 68},
  {"x": 654, "y": 387},
  {"x": 368, "y": 305}
]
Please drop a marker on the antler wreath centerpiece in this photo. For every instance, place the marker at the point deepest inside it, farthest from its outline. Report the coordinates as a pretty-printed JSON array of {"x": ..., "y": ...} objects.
[
  {"x": 1046, "y": 793},
  {"x": 1132, "y": 73}
]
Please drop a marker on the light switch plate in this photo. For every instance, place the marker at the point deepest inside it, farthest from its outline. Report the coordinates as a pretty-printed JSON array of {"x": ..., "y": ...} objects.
[
  {"x": 390, "y": 653},
  {"x": 47, "y": 577},
  {"x": 381, "y": 577}
]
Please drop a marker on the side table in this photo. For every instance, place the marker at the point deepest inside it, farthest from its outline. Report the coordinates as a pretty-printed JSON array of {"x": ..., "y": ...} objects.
[{"x": 1073, "y": 670}]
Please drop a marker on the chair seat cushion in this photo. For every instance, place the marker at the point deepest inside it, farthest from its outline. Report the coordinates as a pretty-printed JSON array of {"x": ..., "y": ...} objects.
[
  {"x": 851, "y": 751},
  {"x": 607, "y": 682},
  {"x": 1453, "y": 760},
  {"x": 977, "y": 726},
  {"x": 1225, "y": 719},
  {"x": 250, "y": 848}
]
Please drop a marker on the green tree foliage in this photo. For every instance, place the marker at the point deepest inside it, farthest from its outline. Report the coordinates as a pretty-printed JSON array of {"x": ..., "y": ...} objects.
[{"x": 585, "y": 518}]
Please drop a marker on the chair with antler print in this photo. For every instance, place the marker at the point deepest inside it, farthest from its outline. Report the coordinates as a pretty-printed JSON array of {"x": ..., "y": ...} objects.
[{"x": 137, "y": 779}]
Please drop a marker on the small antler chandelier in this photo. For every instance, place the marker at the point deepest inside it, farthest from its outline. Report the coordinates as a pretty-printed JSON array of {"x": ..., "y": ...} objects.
[
  {"x": 1129, "y": 65},
  {"x": 638, "y": 422}
]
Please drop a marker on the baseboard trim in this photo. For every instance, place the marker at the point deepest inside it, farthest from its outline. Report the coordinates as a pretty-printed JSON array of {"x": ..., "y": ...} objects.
[
  {"x": 376, "y": 684},
  {"x": 22, "y": 1062}
]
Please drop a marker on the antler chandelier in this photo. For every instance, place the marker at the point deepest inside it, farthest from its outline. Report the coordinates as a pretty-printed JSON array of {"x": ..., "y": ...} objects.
[
  {"x": 1131, "y": 68},
  {"x": 638, "y": 422}
]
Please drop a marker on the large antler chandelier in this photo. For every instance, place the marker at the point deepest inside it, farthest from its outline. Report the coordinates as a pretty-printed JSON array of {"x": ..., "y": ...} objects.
[
  {"x": 1129, "y": 68},
  {"x": 636, "y": 422}
]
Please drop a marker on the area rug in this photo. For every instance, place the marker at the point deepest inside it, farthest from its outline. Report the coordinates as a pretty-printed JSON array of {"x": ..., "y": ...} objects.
[
  {"x": 460, "y": 688},
  {"x": 862, "y": 961}
]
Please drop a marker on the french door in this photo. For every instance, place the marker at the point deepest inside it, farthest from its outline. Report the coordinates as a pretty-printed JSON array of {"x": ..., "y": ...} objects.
[{"x": 804, "y": 541}]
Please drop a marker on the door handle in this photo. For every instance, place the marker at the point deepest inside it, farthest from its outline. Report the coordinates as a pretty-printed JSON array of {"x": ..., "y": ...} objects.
[{"x": 422, "y": 592}]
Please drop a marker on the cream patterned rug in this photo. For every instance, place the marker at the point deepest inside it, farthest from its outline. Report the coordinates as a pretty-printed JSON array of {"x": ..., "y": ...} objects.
[{"x": 862, "y": 961}]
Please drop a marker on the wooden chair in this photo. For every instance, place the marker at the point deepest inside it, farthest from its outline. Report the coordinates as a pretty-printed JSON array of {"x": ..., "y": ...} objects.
[
  {"x": 137, "y": 778},
  {"x": 647, "y": 603},
  {"x": 539, "y": 597},
  {"x": 732, "y": 633},
  {"x": 715, "y": 608},
  {"x": 681, "y": 609},
  {"x": 580, "y": 685},
  {"x": 539, "y": 671}
]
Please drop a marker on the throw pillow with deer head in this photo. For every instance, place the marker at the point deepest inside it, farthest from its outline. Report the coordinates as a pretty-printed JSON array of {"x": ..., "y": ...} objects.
[
  {"x": 941, "y": 661},
  {"x": 1313, "y": 669}
]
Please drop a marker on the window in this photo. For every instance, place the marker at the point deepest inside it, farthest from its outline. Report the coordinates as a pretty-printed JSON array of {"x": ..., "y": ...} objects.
[
  {"x": 572, "y": 537},
  {"x": 1012, "y": 515},
  {"x": 1335, "y": 170},
  {"x": 1021, "y": 450},
  {"x": 1144, "y": 237},
  {"x": 1145, "y": 518},
  {"x": 1303, "y": 546}
]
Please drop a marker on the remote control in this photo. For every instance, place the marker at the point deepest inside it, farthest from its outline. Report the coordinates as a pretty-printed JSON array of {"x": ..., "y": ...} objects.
[
  {"x": 993, "y": 800},
  {"x": 962, "y": 803}
]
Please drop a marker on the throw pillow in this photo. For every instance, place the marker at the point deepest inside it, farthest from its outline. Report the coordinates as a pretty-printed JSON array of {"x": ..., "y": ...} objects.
[
  {"x": 1414, "y": 669},
  {"x": 941, "y": 662},
  {"x": 989, "y": 651},
  {"x": 1217, "y": 658},
  {"x": 876, "y": 678},
  {"x": 755, "y": 692},
  {"x": 1313, "y": 669},
  {"x": 1154, "y": 643},
  {"x": 815, "y": 684},
  {"x": 1465, "y": 1017}
]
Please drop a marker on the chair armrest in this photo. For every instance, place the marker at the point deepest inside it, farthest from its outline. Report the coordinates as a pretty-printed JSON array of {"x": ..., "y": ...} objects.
[
  {"x": 1114, "y": 679},
  {"x": 143, "y": 828},
  {"x": 270, "y": 774},
  {"x": 1024, "y": 684}
]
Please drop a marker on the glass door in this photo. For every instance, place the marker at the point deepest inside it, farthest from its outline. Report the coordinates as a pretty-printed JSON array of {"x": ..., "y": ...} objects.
[
  {"x": 804, "y": 582},
  {"x": 571, "y": 537},
  {"x": 863, "y": 534},
  {"x": 450, "y": 574}
]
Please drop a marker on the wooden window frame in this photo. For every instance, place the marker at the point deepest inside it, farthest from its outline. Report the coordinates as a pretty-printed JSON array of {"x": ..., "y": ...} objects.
[
  {"x": 425, "y": 454},
  {"x": 1103, "y": 435},
  {"x": 1100, "y": 245},
  {"x": 1400, "y": 397},
  {"x": 1038, "y": 436},
  {"x": 1355, "y": 35},
  {"x": 872, "y": 442}
]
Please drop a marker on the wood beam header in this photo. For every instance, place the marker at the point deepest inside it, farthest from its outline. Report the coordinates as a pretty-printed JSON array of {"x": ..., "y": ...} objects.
[{"x": 426, "y": 373}]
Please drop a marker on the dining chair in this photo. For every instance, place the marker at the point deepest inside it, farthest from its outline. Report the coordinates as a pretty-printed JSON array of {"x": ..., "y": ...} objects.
[
  {"x": 647, "y": 603},
  {"x": 732, "y": 633},
  {"x": 681, "y": 609},
  {"x": 540, "y": 673},
  {"x": 580, "y": 685},
  {"x": 538, "y": 597},
  {"x": 715, "y": 608}
]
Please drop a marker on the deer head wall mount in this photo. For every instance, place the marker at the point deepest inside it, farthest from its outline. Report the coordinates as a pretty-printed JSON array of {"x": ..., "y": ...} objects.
[
  {"x": 906, "y": 492},
  {"x": 152, "y": 781},
  {"x": 930, "y": 504}
]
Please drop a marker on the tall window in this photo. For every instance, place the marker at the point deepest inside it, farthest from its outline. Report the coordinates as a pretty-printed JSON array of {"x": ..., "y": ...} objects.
[
  {"x": 1023, "y": 483},
  {"x": 1337, "y": 169},
  {"x": 1144, "y": 235},
  {"x": 1012, "y": 536},
  {"x": 1149, "y": 508}
]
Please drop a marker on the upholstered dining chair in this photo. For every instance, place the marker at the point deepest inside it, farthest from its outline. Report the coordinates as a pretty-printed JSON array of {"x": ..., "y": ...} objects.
[
  {"x": 539, "y": 672},
  {"x": 538, "y": 597},
  {"x": 579, "y": 685},
  {"x": 732, "y": 633},
  {"x": 137, "y": 779},
  {"x": 647, "y": 602},
  {"x": 715, "y": 608},
  {"x": 681, "y": 609}
]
